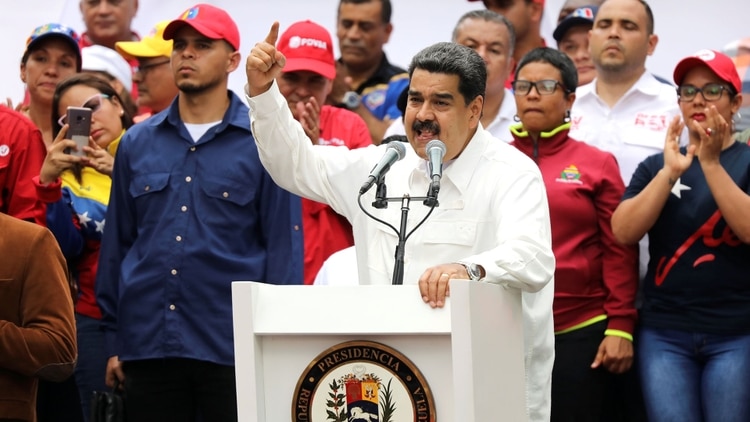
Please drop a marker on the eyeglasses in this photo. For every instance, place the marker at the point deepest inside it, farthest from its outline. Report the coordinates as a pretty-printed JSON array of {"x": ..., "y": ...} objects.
[
  {"x": 144, "y": 69},
  {"x": 543, "y": 87},
  {"x": 94, "y": 103},
  {"x": 710, "y": 92}
]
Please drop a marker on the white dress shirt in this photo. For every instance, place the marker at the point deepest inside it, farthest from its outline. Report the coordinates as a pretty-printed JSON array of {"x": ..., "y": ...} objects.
[
  {"x": 493, "y": 211},
  {"x": 633, "y": 129}
]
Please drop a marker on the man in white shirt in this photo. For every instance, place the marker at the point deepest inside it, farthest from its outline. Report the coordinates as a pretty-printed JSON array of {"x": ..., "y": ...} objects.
[
  {"x": 492, "y": 36},
  {"x": 625, "y": 110},
  {"x": 492, "y": 224}
]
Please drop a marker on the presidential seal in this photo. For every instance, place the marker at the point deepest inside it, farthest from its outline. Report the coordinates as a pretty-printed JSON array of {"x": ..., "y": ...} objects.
[{"x": 362, "y": 381}]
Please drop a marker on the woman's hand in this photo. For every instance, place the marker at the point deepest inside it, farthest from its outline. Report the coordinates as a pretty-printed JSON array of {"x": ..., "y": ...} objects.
[
  {"x": 675, "y": 163},
  {"x": 98, "y": 158},
  {"x": 713, "y": 138},
  {"x": 57, "y": 160}
]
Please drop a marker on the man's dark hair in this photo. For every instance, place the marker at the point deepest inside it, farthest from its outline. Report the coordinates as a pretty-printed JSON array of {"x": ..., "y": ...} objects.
[
  {"x": 488, "y": 16},
  {"x": 502, "y": 4},
  {"x": 385, "y": 12},
  {"x": 454, "y": 59},
  {"x": 555, "y": 58},
  {"x": 649, "y": 17}
]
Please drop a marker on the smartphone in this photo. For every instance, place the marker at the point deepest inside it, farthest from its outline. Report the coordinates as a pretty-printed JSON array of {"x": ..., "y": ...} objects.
[{"x": 79, "y": 128}]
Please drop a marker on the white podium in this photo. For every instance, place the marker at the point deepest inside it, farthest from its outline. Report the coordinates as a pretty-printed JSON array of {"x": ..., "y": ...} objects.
[{"x": 470, "y": 352}]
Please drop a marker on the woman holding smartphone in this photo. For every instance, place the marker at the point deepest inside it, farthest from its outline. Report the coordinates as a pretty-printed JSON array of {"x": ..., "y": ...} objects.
[{"x": 76, "y": 191}]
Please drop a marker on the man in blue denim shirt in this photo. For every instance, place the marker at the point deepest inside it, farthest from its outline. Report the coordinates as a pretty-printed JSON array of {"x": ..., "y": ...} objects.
[{"x": 191, "y": 210}]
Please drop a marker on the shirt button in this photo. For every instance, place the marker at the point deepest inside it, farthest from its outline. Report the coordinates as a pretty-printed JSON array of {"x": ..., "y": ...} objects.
[
  {"x": 178, "y": 238},
  {"x": 225, "y": 194},
  {"x": 188, "y": 179},
  {"x": 183, "y": 208},
  {"x": 192, "y": 148},
  {"x": 147, "y": 188},
  {"x": 296, "y": 227},
  {"x": 174, "y": 272},
  {"x": 172, "y": 307}
]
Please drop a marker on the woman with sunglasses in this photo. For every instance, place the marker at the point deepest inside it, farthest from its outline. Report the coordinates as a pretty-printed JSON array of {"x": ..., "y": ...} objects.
[
  {"x": 52, "y": 54},
  {"x": 694, "y": 341},
  {"x": 595, "y": 277},
  {"x": 76, "y": 190}
]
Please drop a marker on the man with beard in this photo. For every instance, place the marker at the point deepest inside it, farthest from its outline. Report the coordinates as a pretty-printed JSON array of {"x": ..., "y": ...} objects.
[
  {"x": 625, "y": 110},
  {"x": 492, "y": 224},
  {"x": 192, "y": 210},
  {"x": 366, "y": 82}
]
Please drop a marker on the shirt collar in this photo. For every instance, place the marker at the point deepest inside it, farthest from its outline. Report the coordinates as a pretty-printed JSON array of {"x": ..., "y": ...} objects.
[
  {"x": 236, "y": 115},
  {"x": 647, "y": 84}
]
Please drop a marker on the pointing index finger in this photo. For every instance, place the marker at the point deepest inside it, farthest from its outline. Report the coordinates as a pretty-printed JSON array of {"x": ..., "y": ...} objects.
[{"x": 273, "y": 34}]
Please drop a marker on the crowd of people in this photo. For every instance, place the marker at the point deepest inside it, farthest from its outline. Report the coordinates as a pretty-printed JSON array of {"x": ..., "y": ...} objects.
[{"x": 611, "y": 199}]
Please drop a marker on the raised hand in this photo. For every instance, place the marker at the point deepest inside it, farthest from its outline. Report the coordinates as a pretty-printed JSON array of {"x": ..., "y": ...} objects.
[
  {"x": 264, "y": 63},
  {"x": 675, "y": 163}
]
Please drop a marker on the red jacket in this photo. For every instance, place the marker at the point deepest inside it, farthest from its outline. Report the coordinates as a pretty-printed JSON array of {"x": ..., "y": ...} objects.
[
  {"x": 325, "y": 231},
  {"x": 594, "y": 275},
  {"x": 22, "y": 153}
]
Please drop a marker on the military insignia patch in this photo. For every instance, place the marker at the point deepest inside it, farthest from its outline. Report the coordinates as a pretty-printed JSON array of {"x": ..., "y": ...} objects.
[{"x": 358, "y": 381}]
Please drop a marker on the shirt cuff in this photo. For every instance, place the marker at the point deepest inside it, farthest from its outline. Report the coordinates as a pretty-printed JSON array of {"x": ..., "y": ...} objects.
[{"x": 49, "y": 193}]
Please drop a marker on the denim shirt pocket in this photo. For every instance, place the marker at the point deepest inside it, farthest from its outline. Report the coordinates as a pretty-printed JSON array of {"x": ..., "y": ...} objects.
[{"x": 227, "y": 205}]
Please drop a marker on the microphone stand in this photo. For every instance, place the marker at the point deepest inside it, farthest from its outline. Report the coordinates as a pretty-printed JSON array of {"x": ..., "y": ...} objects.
[
  {"x": 381, "y": 202},
  {"x": 398, "y": 266}
]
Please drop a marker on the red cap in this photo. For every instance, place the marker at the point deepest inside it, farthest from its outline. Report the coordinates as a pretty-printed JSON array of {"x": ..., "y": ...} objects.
[
  {"x": 308, "y": 46},
  {"x": 210, "y": 21},
  {"x": 719, "y": 63}
]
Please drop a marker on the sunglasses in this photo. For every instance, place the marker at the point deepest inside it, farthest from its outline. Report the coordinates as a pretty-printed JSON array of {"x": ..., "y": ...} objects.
[{"x": 94, "y": 103}]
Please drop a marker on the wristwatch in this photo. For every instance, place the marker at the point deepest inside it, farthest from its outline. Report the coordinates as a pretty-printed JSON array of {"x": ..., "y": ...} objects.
[
  {"x": 475, "y": 271},
  {"x": 351, "y": 100}
]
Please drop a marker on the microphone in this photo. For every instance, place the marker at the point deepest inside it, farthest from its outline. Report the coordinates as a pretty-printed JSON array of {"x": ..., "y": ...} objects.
[
  {"x": 394, "y": 152},
  {"x": 435, "y": 150}
]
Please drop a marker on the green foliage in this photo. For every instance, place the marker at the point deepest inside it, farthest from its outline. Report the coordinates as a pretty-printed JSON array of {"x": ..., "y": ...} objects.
[{"x": 387, "y": 406}]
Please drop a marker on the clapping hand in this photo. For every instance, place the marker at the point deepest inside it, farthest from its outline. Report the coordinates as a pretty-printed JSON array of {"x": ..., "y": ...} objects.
[{"x": 675, "y": 163}]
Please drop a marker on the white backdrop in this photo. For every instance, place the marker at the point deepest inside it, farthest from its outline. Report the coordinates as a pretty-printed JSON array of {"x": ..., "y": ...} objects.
[{"x": 684, "y": 26}]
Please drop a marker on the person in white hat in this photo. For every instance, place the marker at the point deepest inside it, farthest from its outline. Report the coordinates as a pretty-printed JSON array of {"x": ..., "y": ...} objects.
[{"x": 113, "y": 68}]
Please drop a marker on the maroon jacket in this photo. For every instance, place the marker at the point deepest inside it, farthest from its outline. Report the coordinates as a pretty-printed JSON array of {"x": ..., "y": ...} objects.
[
  {"x": 37, "y": 327},
  {"x": 594, "y": 275}
]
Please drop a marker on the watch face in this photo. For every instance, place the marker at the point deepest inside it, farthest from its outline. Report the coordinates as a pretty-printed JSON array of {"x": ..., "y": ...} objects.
[
  {"x": 351, "y": 100},
  {"x": 474, "y": 272}
]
